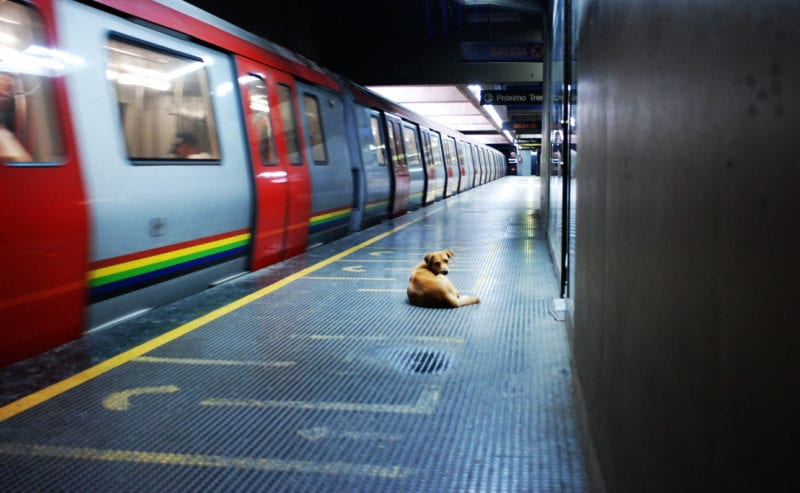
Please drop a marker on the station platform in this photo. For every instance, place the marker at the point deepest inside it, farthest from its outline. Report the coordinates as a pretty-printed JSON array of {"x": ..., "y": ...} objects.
[{"x": 317, "y": 375}]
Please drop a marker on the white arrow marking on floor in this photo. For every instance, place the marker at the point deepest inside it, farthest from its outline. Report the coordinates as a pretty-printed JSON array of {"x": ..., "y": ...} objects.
[
  {"x": 354, "y": 268},
  {"x": 120, "y": 401},
  {"x": 380, "y": 253}
]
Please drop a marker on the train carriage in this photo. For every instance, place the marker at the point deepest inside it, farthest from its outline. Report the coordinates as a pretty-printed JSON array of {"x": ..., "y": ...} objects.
[
  {"x": 451, "y": 165},
  {"x": 369, "y": 163},
  {"x": 43, "y": 216},
  {"x": 402, "y": 185},
  {"x": 467, "y": 169},
  {"x": 329, "y": 162},
  {"x": 280, "y": 174},
  {"x": 158, "y": 127},
  {"x": 434, "y": 166},
  {"x": 152, "y": 150},
  {"x": 416, "y": 168}
]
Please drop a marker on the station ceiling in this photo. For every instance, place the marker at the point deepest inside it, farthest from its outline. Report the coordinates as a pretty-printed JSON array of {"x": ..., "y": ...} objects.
[{"x": 410, "y": 51}]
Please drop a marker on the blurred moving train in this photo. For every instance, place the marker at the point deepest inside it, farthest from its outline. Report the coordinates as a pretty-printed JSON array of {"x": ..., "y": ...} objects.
[{"x": 149, "y": 150}]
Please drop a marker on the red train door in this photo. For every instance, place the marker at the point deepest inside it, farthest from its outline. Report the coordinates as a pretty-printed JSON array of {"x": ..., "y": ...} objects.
[
  {"x": 43, "y": 218},
  {"x": 280, "y": 173}
]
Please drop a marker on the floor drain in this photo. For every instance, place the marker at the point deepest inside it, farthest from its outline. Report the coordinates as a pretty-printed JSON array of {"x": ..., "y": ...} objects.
[{"x": 427, "y": 361}]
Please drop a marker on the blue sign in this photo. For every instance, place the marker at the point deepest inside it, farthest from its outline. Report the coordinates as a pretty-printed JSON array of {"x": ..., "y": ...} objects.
[
  {"x": 502, "y": 51},
  {"x": 529, "y": 97}
]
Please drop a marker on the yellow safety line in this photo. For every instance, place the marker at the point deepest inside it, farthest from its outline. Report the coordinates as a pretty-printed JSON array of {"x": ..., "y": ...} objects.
[
  {"x": 348, "y": 278},
  {"x": 384, "y": 261},
  {"x": 213, "y": 362},
  {"x": 200, "y": 460},
  {"x": 426, "y": 404},
  {"x": 480, "y": 282},
  {"x": 425, "y": 339},
  {"x": 58, "y": 388}
]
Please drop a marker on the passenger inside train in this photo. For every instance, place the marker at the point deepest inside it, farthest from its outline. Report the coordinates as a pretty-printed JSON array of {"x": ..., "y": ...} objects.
[
  {"x": 28, "y": 132},
  {"x": 185, "y": 147},
  {"x": 10, "y": 147}
]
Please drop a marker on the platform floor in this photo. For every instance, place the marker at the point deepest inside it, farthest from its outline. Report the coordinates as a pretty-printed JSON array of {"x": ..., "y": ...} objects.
[{"x": 317, "y": 375}]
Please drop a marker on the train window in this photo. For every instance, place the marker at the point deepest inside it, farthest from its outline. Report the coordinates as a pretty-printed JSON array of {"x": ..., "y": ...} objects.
[
  {"x": 29, "y": 131},
  {"x": 315, "y": 133},
  {"x": 412, "y": 149},
  {"x": 289, "y": 124},
  {"x": 392, "y": 144},
  {"x": 377, "y": 139},
  {"x": 396, "y": 145},
  {"x": 436, "y": 147},
  {"x": 450, "y": 151},
  {"x": 260, "y": 119},
  {"x": 476, "y": 160},
  {"x": 460, "y": 153},
  {"x": 164, "y": 103},
  {"x": 426, "y": 147}
]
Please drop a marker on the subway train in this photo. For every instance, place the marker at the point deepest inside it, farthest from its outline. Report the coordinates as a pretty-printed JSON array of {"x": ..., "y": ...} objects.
[{"x": 149, "y": 150}]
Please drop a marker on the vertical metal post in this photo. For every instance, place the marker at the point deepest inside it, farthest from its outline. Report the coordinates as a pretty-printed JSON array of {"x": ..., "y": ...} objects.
[{"x": 565, "y": 149}]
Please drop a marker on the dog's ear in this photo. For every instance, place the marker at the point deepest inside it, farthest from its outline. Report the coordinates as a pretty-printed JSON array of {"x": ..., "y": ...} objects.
[
  {"x": 449, "y": 253},
  {"x": 428, "y": 257}
]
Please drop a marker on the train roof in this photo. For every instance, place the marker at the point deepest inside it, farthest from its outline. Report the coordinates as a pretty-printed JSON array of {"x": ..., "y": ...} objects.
[
  {"x": 188, "y": 19},
  {"x": 372, "y": 99}
]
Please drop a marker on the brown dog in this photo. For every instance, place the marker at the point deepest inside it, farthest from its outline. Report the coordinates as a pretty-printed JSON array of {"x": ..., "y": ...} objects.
[{"x": 429, "y": 285}]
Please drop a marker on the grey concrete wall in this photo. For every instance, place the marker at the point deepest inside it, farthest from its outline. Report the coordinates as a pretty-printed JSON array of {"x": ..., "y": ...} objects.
[{"x": 685, "y": 321}]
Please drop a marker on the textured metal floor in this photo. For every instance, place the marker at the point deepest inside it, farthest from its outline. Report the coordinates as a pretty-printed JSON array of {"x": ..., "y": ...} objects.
[{"x": 326, "y": 381}]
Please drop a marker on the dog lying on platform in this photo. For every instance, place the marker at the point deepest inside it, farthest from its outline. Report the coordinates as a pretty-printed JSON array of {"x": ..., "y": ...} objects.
[{"x": 429, "y": 285}]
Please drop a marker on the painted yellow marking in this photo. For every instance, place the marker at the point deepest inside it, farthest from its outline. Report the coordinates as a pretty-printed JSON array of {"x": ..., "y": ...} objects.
[
  {"x": 409, "y": 269},
  {"x": 213, "y": 362},
  {"x": 323, "y": 433},
  {"x": 425, "y": 339},
  {"x": 199, "y": 460},
  {"x": 481, "y": 281},
  {"x": 47, "y": 393},
  {"x": 366, "y": 290},
  {"x": 365, "y": 435},
  {"x": 334, "y": 278},
  {"x": 426, "y": 404},
  {"x": 121, "y": 401},
  {"x": 354, "y": 268},
  {"x": 381, "y": 253},
  {"x": 383, "y": 261}
]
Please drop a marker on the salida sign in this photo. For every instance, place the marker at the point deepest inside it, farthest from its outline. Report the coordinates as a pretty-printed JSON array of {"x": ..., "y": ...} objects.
[{"x": 502, "y": 51}]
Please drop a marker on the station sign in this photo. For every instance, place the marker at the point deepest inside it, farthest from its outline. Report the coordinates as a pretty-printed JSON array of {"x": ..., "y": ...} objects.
[
  {"x": 502, "y": 51},
  {"x": 523, "y": 127},
  {"x": 512, "y": 97}
]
